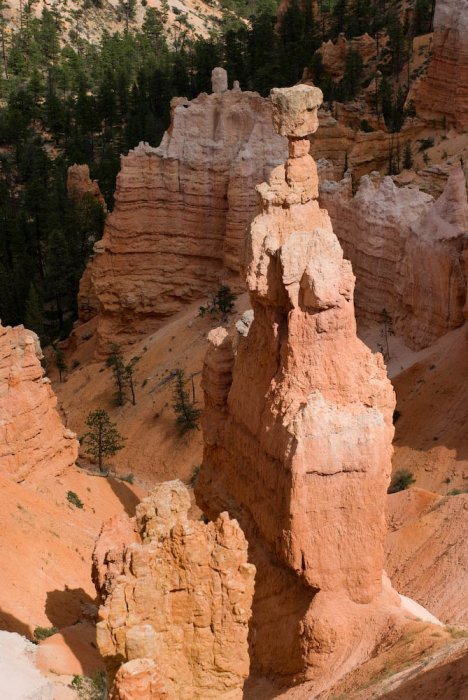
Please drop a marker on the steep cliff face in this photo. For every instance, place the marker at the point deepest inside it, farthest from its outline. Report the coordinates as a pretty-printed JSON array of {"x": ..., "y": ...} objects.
[
  {"x": 33, "y": 439},
  {"x": 443, "y": 93},
  {"x": 180, "y": 211},
  {"x": 176, "y": 603},
  {"x": 298, "y": 430},
  {"x": 408, "y": 253}
]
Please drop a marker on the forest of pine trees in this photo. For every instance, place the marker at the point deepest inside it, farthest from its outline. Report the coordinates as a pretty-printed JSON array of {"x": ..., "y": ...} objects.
[{"x": 84, "y": 103}]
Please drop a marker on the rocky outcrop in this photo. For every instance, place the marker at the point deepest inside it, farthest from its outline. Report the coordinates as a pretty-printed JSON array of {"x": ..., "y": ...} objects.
[
  {"x": 177, "y": 611},
  {"x": 334, "y": 53},
  {"x": 408, "y": 253},
  {"x": 33, "y": 439},
  {"x": 180, "y": 211},
  {"x": 80, "y": 185},
  {"x": 298, "y": 431},
  {"x": 443, "y": 93}
]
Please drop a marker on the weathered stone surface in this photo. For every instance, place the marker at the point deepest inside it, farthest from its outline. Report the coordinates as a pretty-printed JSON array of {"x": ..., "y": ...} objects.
[
  {"x": 298, "y": 430},
  {"x": 443, "y": 93},
  {"x": 79, "y": 184},
  {"x": 407, "y": 252},
  {"x": 180, "y": 213},
  {"x": 178, "y": 609},
  {"x": 33, "y": 439},
  {"x": 334, "y": 53}
]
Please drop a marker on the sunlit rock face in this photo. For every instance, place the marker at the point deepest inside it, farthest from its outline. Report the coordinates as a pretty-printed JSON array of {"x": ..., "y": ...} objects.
[
  {"x": 181, "y": 211},
  {"x": 298, "y": 430}
]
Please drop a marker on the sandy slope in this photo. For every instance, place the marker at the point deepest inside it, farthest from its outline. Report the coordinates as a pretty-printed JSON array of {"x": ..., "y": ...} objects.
[{"x": 431, "y": 436}]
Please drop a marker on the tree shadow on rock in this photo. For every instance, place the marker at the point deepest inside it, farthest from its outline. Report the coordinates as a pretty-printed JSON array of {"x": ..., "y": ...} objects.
[{"x": 128, "y": 499}]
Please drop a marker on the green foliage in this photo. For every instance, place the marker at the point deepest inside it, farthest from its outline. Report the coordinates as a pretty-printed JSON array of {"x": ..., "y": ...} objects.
[
  {"x": 222, "y": 302},
  {"x": 90, "y": 687},
  {"x": 408, "y": 156},
  {"x": 41, "y": 633},
  {"x": 365, "y": 126},
  {"x": 59, "y": 359},
  {"x": 74, "y": 499},
  {"x": 401, "y": 480},
  {"x": 129, "y": 478},
  {"x": 102, "y": 439},
  {"x": 187, "y": 415},
  {"x": 123, "y": 375}
]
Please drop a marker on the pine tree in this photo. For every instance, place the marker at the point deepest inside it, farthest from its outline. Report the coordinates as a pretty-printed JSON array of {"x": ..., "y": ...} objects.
[
  {"x": 129, "y": 371},
  {"x": 408, "y": 157},
  {"x": 34, "y": 316},
  {"x": 103, "y": 439},
  {"x": 186, "y": 415},
  {"x": 116, "y": 363},
  {"x": 59, "y": 359}
]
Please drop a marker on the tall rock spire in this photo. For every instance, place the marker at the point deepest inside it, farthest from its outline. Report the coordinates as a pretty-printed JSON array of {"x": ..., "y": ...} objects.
[{"x": 298, "y": 430}]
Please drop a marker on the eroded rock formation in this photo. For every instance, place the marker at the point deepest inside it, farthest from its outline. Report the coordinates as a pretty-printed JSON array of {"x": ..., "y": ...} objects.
[
  {"x": 408, "y": 252},
  {"x": 443, "y": 93},
  {"x": 298, "y": 430},
  {"x": 181, "y": 211},
  {"x": 79, "y": 185},
  {"x": 334, "y": 53},
  {"x": 176, "y": 603},
  {"x": 33, "y": 439}
]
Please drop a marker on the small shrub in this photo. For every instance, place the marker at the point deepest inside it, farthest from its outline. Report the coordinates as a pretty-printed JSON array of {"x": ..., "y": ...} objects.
[
  {"x": 129, "y": 478},
  {"x": 366, "y": 127},
  {"x": 222, "y": 302},
  {"x": 426, "y": 143},
  {"x": 456, "y": 492},
  {"x": 75, "y": 364},
  {"x": 73, "y": 498},
  {"x": 402, "y": 479},
  {"x": 41, "y": 633}
]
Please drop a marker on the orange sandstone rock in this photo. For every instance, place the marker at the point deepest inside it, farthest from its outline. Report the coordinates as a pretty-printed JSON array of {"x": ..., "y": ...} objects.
[
  {"x": 178, "y": 609},
  {"x": 408, "y": 252},
  {"x": 298, "y": 431},
  {"x": 443, "y": 93},
  {"x": 33, "y": 439},
  {"x": 79, "y": 184},
  {"x": 180, "y": 212}
]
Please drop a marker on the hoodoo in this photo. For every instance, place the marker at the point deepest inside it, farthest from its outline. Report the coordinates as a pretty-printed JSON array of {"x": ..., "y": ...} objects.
[
  {"x": 298, "y": 431},
  {"x": 181, "y": 211},
  {"x": 177, "y": 600}
]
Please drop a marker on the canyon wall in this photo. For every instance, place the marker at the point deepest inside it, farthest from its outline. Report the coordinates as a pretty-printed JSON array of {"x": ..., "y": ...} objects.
[
  {"x": 298, "y": 431},
  {"x": 33, "y": 439},
  {"x": 180, "y": 212},
  {"x": 407, "y": 251},
  {"x": 177, "y": 600},
  {"x": 443, "y": 93}
]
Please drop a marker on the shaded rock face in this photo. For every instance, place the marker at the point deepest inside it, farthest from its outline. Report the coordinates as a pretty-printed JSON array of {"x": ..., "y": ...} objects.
[
  {"x": 443, "y": 93},
  {"x": 408, "y": 253},
  {"x": 79, "y": 184},
  {"x": 176, "y": 611},
  {"x": 298, "y": 430},
  {"x": 33, "y": 439},
  {"x": 181, "y": 211},
  {"x": 334, "y": 53}
]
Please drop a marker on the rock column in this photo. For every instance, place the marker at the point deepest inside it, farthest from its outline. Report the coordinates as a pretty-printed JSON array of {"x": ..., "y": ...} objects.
[{"x": 298, "y": 431}]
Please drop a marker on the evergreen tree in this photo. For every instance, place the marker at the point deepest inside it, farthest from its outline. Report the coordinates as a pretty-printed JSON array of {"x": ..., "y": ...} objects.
[
  {"x": 59, "y": 359},
  {"x": 187, "y": 415},
  {"x": 34, "y": 316},
  {"x": 102, "y": 439},
  {"x": 408, "y": 156},
  {"x": 116, "y": 363}
]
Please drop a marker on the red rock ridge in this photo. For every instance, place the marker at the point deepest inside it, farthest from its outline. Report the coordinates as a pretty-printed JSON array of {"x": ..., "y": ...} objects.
[
  {"x": 180, "y": 212},
  {"x": 33, "y": 439}
]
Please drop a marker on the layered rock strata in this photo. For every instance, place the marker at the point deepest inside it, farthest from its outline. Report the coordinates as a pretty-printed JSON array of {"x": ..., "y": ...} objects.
[
  {"x": 298, "y": 431},
  {"x": 176, "y": 603},
  {"x": 408, "y": 252},
  {"x": 181, "y": 211},
  {"x": 443, "y": 93},
  {"x": 33, "y": 439}
]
